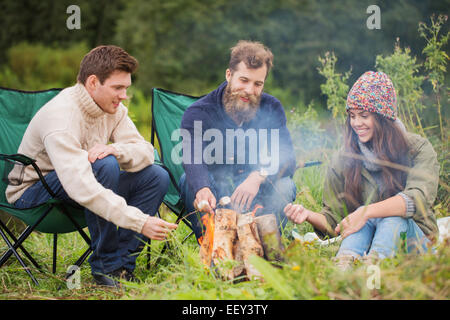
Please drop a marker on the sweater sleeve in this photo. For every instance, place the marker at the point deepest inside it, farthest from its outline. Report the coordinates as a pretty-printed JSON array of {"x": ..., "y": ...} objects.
[
  {"x": 334, "y": 208},
  {"x": 75, "y": 174},
  {"x": 134, "y": 152},
  {"x": 422, "y": 179}
]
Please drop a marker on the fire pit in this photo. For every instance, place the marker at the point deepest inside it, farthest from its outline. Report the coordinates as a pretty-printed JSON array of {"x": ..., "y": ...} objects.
[{"x": 232, "y": 236}]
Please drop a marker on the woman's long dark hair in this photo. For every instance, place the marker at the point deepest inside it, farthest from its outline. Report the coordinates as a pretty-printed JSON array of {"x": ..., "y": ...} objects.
[{"x": 389, "y": 145}]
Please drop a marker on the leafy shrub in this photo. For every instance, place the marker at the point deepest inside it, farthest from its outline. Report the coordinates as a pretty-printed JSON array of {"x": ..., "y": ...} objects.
[
  {"x": 37, "y": 67},
  {"x": 335, "y": 87},
  {"x": 403, "y": 70}
]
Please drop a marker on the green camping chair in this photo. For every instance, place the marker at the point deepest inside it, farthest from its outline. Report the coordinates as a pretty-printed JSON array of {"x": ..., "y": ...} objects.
[
  {"x": 17, "y": 108},
  {"x": 167, "y": 110}
]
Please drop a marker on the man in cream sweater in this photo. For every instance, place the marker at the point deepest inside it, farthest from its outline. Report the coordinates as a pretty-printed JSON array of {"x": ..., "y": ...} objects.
[{"x": 91, "y": 153}]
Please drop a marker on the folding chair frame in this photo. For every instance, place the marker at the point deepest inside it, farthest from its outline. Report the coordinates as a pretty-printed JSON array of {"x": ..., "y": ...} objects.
[
  {"x": 17, "y": 242},
  {"x": 154, "y": 134}
]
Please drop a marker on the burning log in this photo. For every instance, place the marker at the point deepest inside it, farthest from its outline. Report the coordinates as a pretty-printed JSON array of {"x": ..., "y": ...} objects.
[
  {"x": 206, "y": 241},
  {"x": 270, "y": 237},
  {"x": 224, "y": 238},
  {"x": 249, "y": 242},
  {"x": 231, "y": 236}
]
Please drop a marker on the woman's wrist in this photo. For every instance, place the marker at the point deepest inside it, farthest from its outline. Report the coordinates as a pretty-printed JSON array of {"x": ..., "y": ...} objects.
[{"x": 369, "y": 211}]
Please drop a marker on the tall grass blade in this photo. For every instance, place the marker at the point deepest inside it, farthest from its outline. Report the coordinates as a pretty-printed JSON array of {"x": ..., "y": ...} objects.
[{"x": 272, "y": 277}]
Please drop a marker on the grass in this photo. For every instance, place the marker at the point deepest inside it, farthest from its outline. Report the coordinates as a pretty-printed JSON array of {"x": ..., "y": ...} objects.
[{"x": 178, "y": 274}]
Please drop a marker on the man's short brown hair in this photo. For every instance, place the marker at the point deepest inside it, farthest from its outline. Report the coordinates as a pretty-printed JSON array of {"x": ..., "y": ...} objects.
[
  {"x": 102, "y": 61},
  {"x": 254, "y": 54}
]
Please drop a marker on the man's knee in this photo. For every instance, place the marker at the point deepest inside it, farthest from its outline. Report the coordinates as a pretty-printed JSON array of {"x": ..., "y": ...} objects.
[
  {"x": 108, "y": 164},
  {"x": 158, "y": 176},
  {"x": 162, "y": 176},
  {"x": 107, "y": 172}
]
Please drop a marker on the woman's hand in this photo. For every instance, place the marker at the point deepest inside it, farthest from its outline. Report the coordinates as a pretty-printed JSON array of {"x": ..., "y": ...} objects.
[
  {"x": 296, "y": 213},
  {"x": 353, "y": 222}
]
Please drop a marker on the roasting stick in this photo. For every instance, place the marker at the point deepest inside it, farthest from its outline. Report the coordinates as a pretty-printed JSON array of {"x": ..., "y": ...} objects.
[
  {"x": 225, "y": 201},
  {"x": 302, "y": 164}
]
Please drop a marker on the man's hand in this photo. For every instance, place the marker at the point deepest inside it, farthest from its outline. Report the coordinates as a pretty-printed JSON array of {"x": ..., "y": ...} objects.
[
  {"x": 353, "y": 222},
  {"x": 99, "y": 151},
  {"x": 244, "y": 194},
  {"x": 205, "y": 201},
  {"x": 296, "y": 213},
  {"x": 157, "y": 229}
]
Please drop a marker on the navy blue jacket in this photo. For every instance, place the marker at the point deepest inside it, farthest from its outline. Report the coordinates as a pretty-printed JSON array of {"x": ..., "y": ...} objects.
[{"x": 208, "y": 113}]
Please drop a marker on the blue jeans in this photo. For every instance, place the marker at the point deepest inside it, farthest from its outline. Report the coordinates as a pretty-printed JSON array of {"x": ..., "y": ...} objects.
[
  {"x": 273, "y": 197},
  {"x": 113, "y": 247},
  {"x": 383, "y": 237}
]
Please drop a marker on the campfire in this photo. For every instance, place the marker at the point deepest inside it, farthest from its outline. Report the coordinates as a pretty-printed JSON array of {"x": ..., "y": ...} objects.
[{"x": 232, "y": 236}]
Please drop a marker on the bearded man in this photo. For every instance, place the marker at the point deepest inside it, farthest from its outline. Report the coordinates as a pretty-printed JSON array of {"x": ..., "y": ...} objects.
[{"x": 241, "y": 123}]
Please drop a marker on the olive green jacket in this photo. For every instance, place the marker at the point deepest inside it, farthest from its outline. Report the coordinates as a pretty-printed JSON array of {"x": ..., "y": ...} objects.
[{"x": 421, "y": 186}]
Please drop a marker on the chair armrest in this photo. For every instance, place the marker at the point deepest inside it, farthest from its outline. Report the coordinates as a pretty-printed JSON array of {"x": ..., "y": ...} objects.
[
  {"x": 26, "y": 161},
  {"x": 17, "y": 157}
]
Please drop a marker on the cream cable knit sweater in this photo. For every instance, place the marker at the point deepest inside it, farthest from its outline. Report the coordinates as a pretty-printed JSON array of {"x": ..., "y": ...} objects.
[{"x": 59, "y": 136}]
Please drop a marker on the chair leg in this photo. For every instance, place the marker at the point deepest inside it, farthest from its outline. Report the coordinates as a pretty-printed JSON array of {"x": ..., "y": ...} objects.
[
  {"x": 75, "y": 223},
  {"x": 17, "y": 244},
  {"x": 55, "y": 250},
  {"x": 187, "y": 237},
  {"x": 13, "y": 250},
  {"x": 24, "y": 236},
  {"x": 83, "y": 257},
  {"x": 149, "y": 253},
  {"x": 27, "y": 254},
  {"x": 80, "y": 261}
]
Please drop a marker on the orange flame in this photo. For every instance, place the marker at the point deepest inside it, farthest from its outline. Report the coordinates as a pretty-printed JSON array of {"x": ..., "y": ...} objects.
[
  {"x": 256, "y": 208},
  {"x": 206, "y": 241}
]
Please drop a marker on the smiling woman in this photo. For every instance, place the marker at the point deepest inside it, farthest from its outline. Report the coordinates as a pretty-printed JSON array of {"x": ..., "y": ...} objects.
[
  {"x": 381, "y": 187},
  {"x": 362, "y": 123}
]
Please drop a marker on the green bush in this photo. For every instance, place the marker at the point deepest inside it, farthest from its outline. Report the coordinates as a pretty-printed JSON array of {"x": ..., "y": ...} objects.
[
  {"x": 403, "y": 70},
  {"x": 37, "y": 67}
]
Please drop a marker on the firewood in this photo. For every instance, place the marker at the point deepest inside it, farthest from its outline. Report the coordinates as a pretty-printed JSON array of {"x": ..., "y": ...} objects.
[
  {"x": 225, "y": 235},
  {"x": 249, "y": 242},
  {"x": 239, "y": 268},
  {"x": 207, "y": 239},
  {"x": 270, "y": 237}
]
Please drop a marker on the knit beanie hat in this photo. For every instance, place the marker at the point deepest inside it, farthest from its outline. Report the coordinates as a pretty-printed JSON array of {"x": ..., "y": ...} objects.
[{"x": 373, "y": 92}]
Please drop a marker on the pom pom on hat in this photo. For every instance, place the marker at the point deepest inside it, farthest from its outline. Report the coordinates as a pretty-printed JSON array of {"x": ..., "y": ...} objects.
[{"x": 374, "y": 92}]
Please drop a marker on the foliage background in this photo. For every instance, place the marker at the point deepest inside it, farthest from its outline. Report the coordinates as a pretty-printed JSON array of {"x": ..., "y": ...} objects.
[
  {"x": 183, "y": 45},
  {"x": 321, "y": 47}
]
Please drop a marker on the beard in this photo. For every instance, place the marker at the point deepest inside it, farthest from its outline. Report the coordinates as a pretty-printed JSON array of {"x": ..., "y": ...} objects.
[{"x": 237, "y": 109}]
